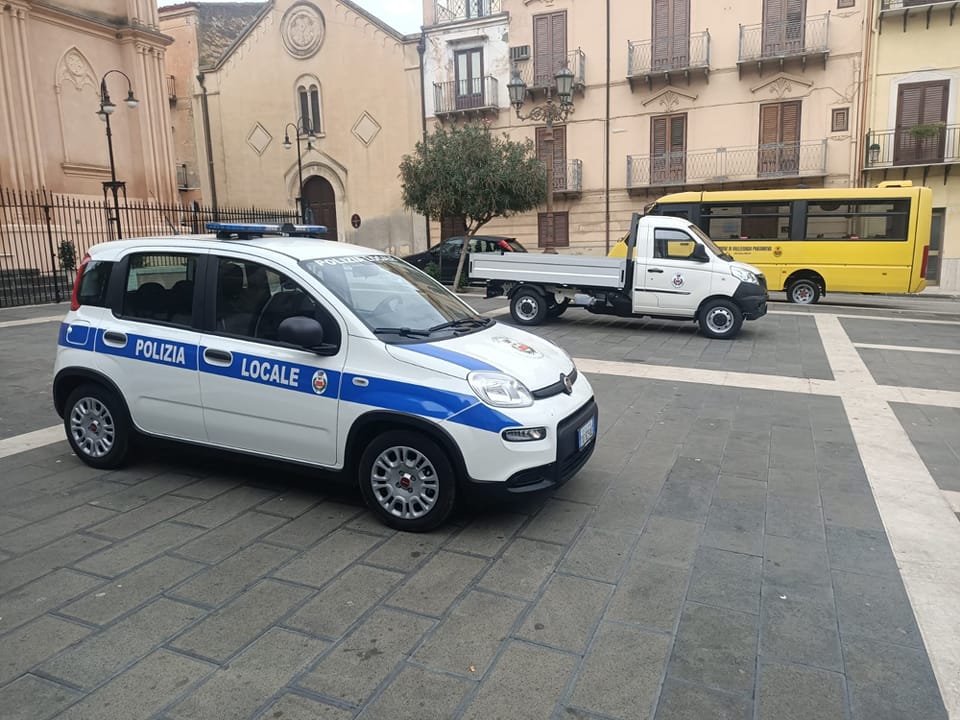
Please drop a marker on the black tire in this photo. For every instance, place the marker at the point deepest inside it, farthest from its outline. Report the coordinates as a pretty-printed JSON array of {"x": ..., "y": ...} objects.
[
  {"x": 558, "y": 309},
  {"x": 97, "y": 426},
  {"x": 389, "y": 490},
  {"x": 528, "y": 307},
  {"x": 720, "y": 319},
  {"x": 803, "y": 291}
]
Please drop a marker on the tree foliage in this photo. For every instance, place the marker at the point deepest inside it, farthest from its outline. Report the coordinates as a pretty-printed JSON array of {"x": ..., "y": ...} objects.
[{"x": 470, "y": 172}]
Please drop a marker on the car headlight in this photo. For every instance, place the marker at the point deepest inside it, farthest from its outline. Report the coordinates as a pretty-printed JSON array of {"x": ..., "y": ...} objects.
[
  {"x": 500, "y": 390},
  {"x": 744, "y": 275}
]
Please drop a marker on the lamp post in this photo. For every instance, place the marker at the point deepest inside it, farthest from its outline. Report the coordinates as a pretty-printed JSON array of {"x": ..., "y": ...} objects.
[
  {"x": 106, "y": 110},
  {"x": 299, "y": 129},
  {"x": 549, "y": 112}
]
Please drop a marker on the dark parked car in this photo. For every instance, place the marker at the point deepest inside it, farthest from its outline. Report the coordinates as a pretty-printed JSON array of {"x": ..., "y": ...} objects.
[{"x": 446, "y": 254}]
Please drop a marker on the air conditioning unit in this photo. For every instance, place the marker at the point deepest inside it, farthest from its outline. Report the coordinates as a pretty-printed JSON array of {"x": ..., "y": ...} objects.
[{"x": 520, "y": 52}]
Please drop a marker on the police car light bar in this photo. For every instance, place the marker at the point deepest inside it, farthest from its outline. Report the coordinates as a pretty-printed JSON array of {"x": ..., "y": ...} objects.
[{"x": 245, "y": 231}]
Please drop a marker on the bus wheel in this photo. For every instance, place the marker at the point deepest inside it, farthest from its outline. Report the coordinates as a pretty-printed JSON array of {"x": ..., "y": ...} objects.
[{"x": 804, "y": 291}]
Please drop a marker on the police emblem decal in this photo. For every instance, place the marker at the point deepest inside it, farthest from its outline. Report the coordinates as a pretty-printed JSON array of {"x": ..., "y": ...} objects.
[
  {"x": 678, "y": 280},
  {"x": 319, "y": 382},
  {"x": 518, "y": 346}
]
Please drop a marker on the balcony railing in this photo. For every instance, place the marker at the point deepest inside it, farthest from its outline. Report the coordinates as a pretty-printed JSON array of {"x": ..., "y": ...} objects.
[
  {"x": 894, "y": 8},
  {"x": 541, "y": 78},
  {"x": 568, "y": 178},
  {"x": 901, "y": 147},
  {"x": 448, "y": 11},
  {"x": 726, "y": 165},
  {"x": 781, "y": 41},
  {"x": 668, "y": 55},
  {"x": 886, "y": 5},
  {"x": 477, "y": 95}
]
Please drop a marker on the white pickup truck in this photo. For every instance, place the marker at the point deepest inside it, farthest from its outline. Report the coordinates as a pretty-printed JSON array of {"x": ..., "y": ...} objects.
[{"x": 672, "y": 270}]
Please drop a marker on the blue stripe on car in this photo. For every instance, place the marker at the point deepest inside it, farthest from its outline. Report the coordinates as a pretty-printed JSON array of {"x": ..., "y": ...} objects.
[
  {"x": 280, "y": 374},
  {"x": 464, "y": 361}
]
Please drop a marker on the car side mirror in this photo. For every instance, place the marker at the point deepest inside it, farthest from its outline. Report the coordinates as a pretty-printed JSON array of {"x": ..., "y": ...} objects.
[
  {"x": 700, "y": 253},
  {"x": 306, "y": 333}
]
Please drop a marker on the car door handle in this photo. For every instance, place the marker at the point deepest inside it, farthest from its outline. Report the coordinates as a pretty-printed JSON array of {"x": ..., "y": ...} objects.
[
  {"x": 217, "y": 357},
  {"x": 654, "y": 270},
  {"x": 112, "y": 337}
]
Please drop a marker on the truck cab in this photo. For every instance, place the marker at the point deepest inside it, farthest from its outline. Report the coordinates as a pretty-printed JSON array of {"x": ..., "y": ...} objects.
[{"x": 669, "y": 269}]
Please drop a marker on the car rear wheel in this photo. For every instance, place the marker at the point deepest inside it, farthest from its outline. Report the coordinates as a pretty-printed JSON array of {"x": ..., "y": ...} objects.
[
  {"x": 407, "y": 480},
  {"x": 558, "y": 309},
  {"x": 97, "y": 426}
]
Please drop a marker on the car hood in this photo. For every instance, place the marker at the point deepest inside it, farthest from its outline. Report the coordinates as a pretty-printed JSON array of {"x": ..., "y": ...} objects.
[
  {"x": 530, "y": 359},
  {"x": 745, "y": 266}
]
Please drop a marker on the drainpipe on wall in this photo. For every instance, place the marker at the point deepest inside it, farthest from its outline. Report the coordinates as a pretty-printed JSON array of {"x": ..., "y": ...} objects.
[
  {"x": 422, "y": 49},
  {"x": 211, "y": 175},
  {"x": 866, "y": 106},
  {"x": 606, "y": 148}
]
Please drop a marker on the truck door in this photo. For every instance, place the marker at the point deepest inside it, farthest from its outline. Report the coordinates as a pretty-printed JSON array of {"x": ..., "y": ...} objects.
[{"x": 677, "y": 276}]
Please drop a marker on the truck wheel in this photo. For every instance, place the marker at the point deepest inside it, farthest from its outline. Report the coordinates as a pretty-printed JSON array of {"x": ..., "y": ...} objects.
[
  {"x": 804, "y": 291},
  {"x": 558, "y": 309},
  {"x": 97, "y": 426},
  {"x": 721, "y": 319},
  {"x": 407, "y": 480},
  {"x": 528, "y": 307}
]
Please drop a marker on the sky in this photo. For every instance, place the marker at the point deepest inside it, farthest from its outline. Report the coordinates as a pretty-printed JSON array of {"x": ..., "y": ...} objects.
[{"x": 403, "y": 15}]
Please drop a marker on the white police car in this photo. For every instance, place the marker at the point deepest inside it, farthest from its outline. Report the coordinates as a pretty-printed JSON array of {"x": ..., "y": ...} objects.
[{"x": 316, "y": 352}]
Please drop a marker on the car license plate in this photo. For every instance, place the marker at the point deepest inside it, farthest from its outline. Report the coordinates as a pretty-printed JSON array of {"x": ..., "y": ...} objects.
[{"x": 586, "y": 432}]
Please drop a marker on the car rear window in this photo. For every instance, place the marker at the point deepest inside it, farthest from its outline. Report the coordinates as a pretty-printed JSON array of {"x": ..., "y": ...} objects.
[
  {"x": 515, "y": 246},
  {"x": 93, "y": 284}
]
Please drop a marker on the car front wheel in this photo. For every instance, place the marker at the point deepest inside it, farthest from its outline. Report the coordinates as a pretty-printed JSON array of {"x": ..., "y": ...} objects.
[{"x": 407, "y": 480}]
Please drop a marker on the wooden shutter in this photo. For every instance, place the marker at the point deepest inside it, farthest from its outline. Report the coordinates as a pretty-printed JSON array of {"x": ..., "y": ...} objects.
[
  {"x": 671, "y": 34},
  {"x": 549, "y": 46},
  {"x": 658, "y": 150},
  {"x": 454, "y": 226},
  {"x": 922, "y": 103},
  {"x": 558, "y": 41},
  {"x": 779, "y": 138},
  {"x": 677, "y": 165},
  {"x": 559, "y": 154},
  {"x": 561, "y": 229},
  {"x": 661, "y": 34},
  {"x": 680, "y": 33},
  {"x": 668, "y": 144}
]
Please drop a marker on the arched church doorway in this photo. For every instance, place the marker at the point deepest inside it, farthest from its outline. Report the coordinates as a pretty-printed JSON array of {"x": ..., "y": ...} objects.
[{"x": 321, "y": 204}]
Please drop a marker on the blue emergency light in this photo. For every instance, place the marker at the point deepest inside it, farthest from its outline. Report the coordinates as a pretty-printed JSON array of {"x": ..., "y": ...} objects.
[{"x": 245, "y": 231}]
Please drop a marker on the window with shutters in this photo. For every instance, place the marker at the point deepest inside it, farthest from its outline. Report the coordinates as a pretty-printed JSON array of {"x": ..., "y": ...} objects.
[
  {"x": 668, "y": 149},
  {"x": 671, "y": 35},
  {"x": 468, "y": 66},
  {"x": 840, "y": 120},
  {"x": 453, "y": 226},
  {"x": 559, "y": 154},
  {"x": 779, "y": 150},
  {"x": 549, "y": 47},
  {"x": 920, "y": 135},
  {"x": 783, "y": 27},
  {"x": 561, "y": 229}
]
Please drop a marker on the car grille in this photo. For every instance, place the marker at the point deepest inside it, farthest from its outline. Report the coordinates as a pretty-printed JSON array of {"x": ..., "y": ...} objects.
[{"x": 556, "y": 388}]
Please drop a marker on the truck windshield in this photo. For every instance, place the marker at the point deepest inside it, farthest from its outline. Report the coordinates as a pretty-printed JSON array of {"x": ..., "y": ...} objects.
[
  {"x": 395, "y": 300},
  {"x": 705, "y": 239}
]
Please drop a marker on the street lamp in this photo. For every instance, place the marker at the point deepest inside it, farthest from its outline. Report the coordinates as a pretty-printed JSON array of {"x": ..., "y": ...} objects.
[
  {"x": 548, "y": 113},
  {"x": 107, "y": 107},
  {"x": 300, "y": 129}
]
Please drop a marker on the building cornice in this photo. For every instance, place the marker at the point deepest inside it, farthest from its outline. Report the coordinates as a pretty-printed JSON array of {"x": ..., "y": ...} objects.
[{"x": 74, "y": 20}]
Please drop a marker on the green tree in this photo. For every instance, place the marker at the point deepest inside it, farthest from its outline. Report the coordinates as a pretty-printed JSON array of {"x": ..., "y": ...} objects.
[{"x": 470, "y": 172}]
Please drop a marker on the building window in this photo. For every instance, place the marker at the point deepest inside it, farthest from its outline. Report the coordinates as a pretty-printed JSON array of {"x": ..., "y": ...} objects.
[
  {"x": 549, "y": 47},
  {"x": 561, "y": 229},
  {"x": 921, "y": 132},
  {"x": 671, "y": 34},
  {"x": 559, "y": 154},
  {"x": 840, "y": 120},
  {"x": 845, "y": 4},
  {"x": 779, "y": 151},
  {"x": 668, "y": 149},
  {"x": 309, "y": 105},
  {"x": 468, "y": 66},
  {"x": 783, "y": 26}
]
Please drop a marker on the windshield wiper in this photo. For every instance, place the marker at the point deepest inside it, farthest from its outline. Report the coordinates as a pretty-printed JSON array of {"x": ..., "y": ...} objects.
[
  {"x": 402, "y": 331},
  {"x": 463, "y": 323}
]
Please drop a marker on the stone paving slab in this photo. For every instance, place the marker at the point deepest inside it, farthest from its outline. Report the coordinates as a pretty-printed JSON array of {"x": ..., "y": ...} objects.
[
  {"x": 915, "y": 334},
  {"x": 913, "y": 369},
  {"x": 935, "y": 433}
]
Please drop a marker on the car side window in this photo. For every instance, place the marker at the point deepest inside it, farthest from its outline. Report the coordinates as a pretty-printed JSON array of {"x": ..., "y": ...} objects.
[
  {"x": 252, "y": 300},
  {"x": 673, "y": 244},
  {"x": 159, "y": 288}
]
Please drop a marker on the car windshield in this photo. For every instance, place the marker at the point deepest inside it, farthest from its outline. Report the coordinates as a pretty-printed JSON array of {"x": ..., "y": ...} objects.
[
  {"x": 705, "y": 239},
  {"x": 395, "y": 300}
]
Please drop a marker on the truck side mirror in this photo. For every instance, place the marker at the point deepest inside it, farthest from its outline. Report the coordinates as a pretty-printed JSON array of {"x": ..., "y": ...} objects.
[{"x": 699, "y": 253}]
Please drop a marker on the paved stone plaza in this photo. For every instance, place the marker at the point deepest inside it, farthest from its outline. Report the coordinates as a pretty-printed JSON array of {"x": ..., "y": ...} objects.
[{"x": 768, "y": 529}]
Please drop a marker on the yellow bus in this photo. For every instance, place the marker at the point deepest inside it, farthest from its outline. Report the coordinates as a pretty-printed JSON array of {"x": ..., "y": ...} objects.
[{"x": 810, "y": 241}]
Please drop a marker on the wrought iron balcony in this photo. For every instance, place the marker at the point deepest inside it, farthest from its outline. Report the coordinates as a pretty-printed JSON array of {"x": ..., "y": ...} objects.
[
  {"x": 568, "y": 178},
  {"x": 727, "y": 165},
  {"x": 448, "y": 11},
  {"x": 541, "y": 78},
  {"x": 918, "y": 146},
  {"x": 668, "y": 57},
  {"x": 475, "y": 96},
  {"x": 782, "y": 41},
  {"x": 890, "y": 8}
]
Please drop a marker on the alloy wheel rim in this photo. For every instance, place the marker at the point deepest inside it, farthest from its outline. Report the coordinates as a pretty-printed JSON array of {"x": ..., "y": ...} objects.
[
  {"x": 404, "y": 482},
  {"x": 92, "y": 427}
]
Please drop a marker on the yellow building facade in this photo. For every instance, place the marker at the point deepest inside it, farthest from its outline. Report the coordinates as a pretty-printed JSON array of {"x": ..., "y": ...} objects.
[
  {"x": 911, "y": 125},
  {"x": 259, "y": 84}
]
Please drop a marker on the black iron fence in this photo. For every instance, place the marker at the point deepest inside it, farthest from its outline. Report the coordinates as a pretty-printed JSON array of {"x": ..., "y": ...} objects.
[{"x": 44, "y": 235}]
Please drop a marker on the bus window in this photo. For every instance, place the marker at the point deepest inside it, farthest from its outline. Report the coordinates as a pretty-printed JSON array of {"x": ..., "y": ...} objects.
[
  {"x": 746, "y": 221},
  {"x": 858, "y": 220}
]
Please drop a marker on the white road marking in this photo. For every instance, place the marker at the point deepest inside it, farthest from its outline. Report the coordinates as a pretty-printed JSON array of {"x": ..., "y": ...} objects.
[
  {"x": 906, "y": 348},
  {"x": 32, "y": 321},
  {"x": 868, "y": 317},
  {"x": 31, "y": 440},
  {"x": 953, "y": 498}
]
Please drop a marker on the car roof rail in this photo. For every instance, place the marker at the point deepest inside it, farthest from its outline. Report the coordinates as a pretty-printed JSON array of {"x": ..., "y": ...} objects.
[{"x": 249, "y": 231}]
